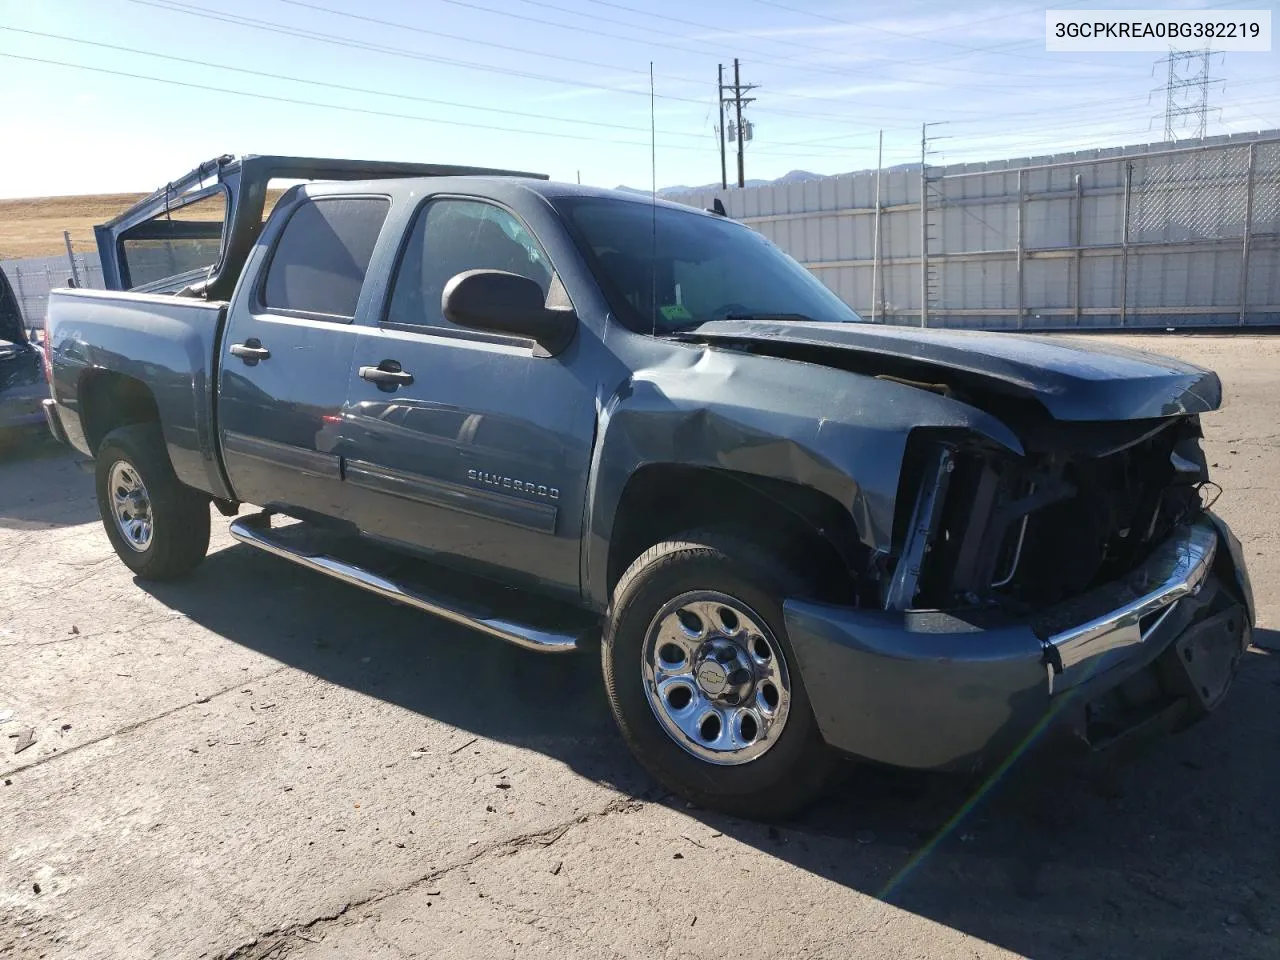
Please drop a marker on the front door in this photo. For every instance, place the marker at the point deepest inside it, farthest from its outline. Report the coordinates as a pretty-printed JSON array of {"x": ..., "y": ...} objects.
[
  {"x": 287, "y": 354},
  {"x": 462, "y": 443}
]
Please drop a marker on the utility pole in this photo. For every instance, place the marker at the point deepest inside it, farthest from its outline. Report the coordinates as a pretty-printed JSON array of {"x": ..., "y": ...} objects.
[
  {"x": 1186, "y": 94},
  {"x": 927, "y": 279},
  {"x": 875, "y": 242},
  {"x": 720, "y": 131},
  {"x": 71, "y": 259},
  {"x": 742, "y": 129},
  {"x": 924, "y": 227},
  {"x": 742, "y": 134}
]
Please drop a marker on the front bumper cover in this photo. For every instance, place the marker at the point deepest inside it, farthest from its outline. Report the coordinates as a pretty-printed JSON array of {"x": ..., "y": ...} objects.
[{"x": 933, "y": 690}]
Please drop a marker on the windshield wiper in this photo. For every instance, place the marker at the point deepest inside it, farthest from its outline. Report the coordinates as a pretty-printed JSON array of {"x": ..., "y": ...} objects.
[{"x": 771, "y": 317}]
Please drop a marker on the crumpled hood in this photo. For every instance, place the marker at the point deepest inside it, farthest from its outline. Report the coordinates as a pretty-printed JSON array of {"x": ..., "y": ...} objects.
[{"x": 1074, "y": 379}]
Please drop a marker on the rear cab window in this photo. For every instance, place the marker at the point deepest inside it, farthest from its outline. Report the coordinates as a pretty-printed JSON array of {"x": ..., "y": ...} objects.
[
  {"x": 178, "y": 247},
  {"x": 318, "y": 265}
]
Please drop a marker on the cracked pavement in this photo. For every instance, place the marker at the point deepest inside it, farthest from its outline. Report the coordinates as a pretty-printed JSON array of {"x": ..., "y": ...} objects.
[{"x": 262, "y": 763}]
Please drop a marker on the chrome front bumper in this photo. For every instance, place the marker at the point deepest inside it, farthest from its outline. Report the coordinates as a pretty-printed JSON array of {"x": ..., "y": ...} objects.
[
  {"x": 938, "y": 690},
  {"x": 1178, "y": 568}
]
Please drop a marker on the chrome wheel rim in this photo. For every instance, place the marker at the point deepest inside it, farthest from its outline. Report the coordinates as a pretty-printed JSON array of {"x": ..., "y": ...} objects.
[
  {"x": 130, "y": 505},
  {"x": 716, "y": 678}
]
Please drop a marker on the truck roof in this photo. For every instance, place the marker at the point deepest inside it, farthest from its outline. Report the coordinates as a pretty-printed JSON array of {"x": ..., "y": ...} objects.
[
  {"x": 244, "y": 183},
  {"x": 551, "y": 189}
]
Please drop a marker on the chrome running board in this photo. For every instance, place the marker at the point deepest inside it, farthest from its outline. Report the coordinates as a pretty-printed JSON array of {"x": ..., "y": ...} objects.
[{"x": 256, "y": 532}]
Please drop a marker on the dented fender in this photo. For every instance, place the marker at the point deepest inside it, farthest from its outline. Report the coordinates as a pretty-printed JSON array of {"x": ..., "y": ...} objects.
[{"x": 841, "y": 434}]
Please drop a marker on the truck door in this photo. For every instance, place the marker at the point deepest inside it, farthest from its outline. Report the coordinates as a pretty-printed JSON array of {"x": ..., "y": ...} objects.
[
  {"x": 287, "y": 352},
  {"x": 464, "y": 443}
]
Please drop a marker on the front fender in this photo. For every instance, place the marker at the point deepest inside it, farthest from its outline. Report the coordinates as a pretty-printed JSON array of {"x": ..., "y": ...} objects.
[{"x": 842, "y": 434}]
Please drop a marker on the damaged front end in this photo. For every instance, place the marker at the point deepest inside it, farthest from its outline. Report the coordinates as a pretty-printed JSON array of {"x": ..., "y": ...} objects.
[
  {"x": 1084, "y": 580},
  {"x": 1083, "y": 506}
]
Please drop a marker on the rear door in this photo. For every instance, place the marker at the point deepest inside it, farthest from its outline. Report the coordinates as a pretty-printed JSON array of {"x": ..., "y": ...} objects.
[
  {"x": 481, "y": 451},
  {"x": 287, "y": 351}
]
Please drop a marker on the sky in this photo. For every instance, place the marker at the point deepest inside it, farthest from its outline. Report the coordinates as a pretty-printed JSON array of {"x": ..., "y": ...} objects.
[{"x": 124, "y": 95}]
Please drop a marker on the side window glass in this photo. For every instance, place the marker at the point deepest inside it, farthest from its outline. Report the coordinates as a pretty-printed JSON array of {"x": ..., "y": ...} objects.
[
  {"x": 180, "y": 245},
  {"x": 319, "y": 262},
  {"x": 449, "y": 237}
]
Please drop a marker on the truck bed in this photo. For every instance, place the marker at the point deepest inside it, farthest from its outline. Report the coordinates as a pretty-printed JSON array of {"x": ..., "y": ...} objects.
[{"x": 168, "y": 344}]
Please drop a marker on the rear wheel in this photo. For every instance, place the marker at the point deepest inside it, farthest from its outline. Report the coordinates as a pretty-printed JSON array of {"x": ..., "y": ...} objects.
[
  {"x": 703, "y": 682},
  {"x": 158, "y": 526}
]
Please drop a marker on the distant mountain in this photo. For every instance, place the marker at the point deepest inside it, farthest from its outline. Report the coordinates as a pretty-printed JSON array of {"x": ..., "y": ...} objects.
[{"x": 795, "y": 176}]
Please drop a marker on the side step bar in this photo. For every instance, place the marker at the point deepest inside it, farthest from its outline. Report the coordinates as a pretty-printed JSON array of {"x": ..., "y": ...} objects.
[{"x": 256, "y": 532}]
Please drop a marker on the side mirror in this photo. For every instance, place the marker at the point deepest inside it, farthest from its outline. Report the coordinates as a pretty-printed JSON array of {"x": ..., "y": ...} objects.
[{"x": 507, "y": 303}]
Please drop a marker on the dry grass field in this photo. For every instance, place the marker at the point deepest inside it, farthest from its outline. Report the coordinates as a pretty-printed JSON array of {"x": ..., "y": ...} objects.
[{"x": 33, "y": 227}]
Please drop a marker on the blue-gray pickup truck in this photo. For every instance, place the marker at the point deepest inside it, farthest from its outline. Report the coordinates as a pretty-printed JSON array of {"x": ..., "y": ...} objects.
[{"x": 560, "y": 415}]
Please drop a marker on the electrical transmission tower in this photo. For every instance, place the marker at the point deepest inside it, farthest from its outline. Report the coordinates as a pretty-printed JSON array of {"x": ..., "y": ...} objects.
[
  {"x": 1186, "y": 94},
  {"x": 738, "y": 130}
]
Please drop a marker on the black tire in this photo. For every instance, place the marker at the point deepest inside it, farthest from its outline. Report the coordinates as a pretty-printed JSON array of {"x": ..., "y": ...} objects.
[
  {"x": 774, "y": 785},
  {"x": 179, "y": 515}
]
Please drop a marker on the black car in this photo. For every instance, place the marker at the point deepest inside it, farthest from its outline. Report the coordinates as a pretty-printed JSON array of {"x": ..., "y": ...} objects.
[{"x": 22, "y": 379}]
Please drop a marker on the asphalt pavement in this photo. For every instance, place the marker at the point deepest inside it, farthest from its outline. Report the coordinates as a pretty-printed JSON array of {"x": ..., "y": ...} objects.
[{"x": 261, "y": 762}]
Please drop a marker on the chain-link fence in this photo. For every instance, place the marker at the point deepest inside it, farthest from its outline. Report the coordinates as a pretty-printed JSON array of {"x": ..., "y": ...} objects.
[
  {"x": 1170, "y": 237},
  {"x": 33, "y": 278}
]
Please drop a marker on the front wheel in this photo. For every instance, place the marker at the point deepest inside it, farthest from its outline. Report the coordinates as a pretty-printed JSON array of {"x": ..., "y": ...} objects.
[
  {"x": 703, "y": 682},
  {"x": 158, "y": 526}
]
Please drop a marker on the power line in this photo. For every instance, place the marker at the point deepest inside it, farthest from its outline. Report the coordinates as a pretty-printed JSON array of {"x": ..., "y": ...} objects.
[
  {"x": 344, "y": 87},
  {"x": 296, "y": 101},
  {"x": 1090, "y": 107},
  {"x": 817, "y": 49},
  {"x": 1123, "y": 126},
  {"x": 668, "y": 35},
  {"x": 400, "y": 25},
  {"x": 175, "y": 6},
  {"x": 335, "y": 106},
  {"x": 1003, "y": 145},
  {"x": 191, "y": 9}
]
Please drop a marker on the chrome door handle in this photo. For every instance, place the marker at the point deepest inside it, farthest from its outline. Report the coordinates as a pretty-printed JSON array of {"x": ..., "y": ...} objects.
[
  {"x": 388, "y": 375},
  {"x": 251, "y": 351}
]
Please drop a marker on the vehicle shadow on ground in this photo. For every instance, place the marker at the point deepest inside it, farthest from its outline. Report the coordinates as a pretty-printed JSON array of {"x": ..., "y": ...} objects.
[
  {"x": 1169, "y": 853},
  {"x": 29, "y": 471}
]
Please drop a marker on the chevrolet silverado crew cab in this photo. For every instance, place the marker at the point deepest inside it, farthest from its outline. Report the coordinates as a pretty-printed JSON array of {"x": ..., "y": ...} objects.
[{"x": 555, "y": 413}]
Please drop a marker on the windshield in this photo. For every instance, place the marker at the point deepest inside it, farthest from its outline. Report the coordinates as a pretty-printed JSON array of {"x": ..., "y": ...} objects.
[{"x": 707, "y": 268}]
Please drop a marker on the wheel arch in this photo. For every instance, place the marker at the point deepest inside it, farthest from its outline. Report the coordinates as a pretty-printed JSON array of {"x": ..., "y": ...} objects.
[
  {"x": 803, "y": 526},
  {"x": 109, "y": 400}
]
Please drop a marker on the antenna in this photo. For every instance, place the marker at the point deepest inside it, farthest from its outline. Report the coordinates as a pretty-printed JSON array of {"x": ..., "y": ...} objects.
[{"x": 653, "y": 197}]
